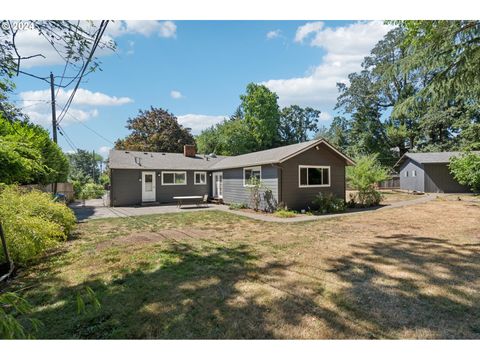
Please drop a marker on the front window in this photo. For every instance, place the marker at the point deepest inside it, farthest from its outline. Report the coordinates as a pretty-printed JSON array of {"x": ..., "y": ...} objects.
[
  {"x": 314, "y": 176},
  {"x": 406, "y": 173},
  {"x": 174, "y": 178},
  {"x": 414, "y": 172},
  {"x": 249, "y": 174},
  {"x": 200, "y": 178}
]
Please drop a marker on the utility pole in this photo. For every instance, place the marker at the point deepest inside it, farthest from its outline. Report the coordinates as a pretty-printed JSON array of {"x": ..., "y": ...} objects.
[
  {"x": 54, "y": 113},
  {"x": 54, "y": 120},
  {"x": 94, "y": 165}
]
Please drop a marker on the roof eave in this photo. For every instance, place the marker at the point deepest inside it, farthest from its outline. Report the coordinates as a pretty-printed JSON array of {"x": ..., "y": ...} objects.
[{"x": 316, "y": 143}]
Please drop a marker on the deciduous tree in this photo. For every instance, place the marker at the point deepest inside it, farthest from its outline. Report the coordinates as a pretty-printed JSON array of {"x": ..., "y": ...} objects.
[{"x": 155, "y": 130}]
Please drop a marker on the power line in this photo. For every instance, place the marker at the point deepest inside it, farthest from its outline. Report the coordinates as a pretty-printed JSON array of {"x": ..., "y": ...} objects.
[
  {"x": 102, "y": 28},
  {"x": 67, "y": 62},
  {"x": 67, "y": 138},
  {"x": 89, "y": 128}
]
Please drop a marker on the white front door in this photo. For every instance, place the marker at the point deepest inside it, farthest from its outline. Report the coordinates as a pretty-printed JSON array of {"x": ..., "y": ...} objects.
[
  {"x": 217, "y": 183},
  {"x": 148, "y": 186}
]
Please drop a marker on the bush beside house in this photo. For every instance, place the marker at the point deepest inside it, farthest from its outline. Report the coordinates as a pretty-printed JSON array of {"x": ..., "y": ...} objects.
[{"x": 363, "y": 176}]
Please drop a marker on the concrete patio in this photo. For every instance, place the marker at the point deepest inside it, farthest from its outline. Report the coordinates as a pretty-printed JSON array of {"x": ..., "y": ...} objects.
[{"x": 95, "y": 209}]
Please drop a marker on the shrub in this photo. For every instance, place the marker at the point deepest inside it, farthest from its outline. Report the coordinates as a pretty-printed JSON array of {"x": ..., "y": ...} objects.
[
  {"x": 32, "y": 222},
  {"x": 271, "y": 204},
  {"x": 328, "y": 203},
  {"x": 92, "y": 191},
  {"x": 369, "y": 197},
  {"x": 237, "y": 206},
  {"x": 104, "y": 179},
  {"x": 466, "y": 170},
  {"x": 285, "y": 213},
  {"x": 255, "y": 193},
  {"x": 363, "y": 177}
]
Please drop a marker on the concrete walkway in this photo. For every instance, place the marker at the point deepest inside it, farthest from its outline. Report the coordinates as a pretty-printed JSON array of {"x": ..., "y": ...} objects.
[{"x": 95, "y": 209}]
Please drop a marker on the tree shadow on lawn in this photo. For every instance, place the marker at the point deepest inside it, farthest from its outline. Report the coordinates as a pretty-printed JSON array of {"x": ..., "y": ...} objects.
[
  {"x": 413, "y": 287},
  {"x": 212, "y": 293}
]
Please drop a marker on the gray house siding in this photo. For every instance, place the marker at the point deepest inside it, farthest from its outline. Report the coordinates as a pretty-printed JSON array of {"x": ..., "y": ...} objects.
[
  {"x": 412, "y": 183},
  {"x": 126, "y": 187},
  {"x": 235, "y": 192},
  {"x": 439, "y": 179},
  {"x": 296, "y": 197}
]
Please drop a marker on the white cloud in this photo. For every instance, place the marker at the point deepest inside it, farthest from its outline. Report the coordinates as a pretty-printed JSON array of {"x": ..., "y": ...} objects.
[
  {"x": 165, "y": 29},
  {"x": 345, "y": 49},
  {"x": 325, "y": 116},
  {"x": 175, "y": 94},
  {"x": 104, "y": 150},
  {"x": 198, "y": 122},
  {"x": 305, "y": 30},
  {"x": 273, "y": 34},
  {"x": 36, "y": 104},
  {"x": 30, "y": 43}
]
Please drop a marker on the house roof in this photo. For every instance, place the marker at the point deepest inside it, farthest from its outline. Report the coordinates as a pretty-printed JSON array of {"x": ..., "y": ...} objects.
[
  {"x": 273, "y": 156},
  {"x": 430, "y": 157},
  {"x": 120, "y": 159}
]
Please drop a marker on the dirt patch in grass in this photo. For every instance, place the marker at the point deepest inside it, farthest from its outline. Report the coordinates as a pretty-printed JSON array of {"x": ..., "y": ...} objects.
[{"x": 411, "y": 272}]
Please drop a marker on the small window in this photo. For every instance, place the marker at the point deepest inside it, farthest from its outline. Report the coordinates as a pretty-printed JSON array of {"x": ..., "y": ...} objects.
[
  {"x": 251, "y": 173},
  {"x": 148, "y": 182},
  {"x": 414, "y": 172},
  {"x": 406, "y": 173},
  {"x": 200, "y": 178},
  {"x": 174, "y": 178},
  {"x": 314, "y": 176}
]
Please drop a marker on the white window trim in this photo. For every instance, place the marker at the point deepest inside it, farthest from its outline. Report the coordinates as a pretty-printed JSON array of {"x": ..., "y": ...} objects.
[
  {"x": 414, "y": 173},
  {"x": 174, "y": 172},
  {"x": 195, "y": 177},
  {"x": 254, "y": 168},
  {"x": 406, "y": 173},
  {"x": 315, "y": 167}
]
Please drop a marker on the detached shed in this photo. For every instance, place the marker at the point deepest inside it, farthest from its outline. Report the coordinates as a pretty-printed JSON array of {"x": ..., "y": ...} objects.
[{"x": 428, "y": 172}]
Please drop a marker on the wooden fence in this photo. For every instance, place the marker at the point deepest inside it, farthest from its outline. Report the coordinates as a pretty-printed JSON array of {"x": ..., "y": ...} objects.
[
  {"x": 392, "y": 183},
  {"x": 62, "y": 188}
]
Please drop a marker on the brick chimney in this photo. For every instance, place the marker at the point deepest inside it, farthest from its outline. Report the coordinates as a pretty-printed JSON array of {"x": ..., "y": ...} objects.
[{"x": 189, "y": 150}]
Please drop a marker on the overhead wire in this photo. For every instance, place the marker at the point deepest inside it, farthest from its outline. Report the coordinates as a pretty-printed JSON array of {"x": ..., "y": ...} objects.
[{"x": 102, "y": 28}]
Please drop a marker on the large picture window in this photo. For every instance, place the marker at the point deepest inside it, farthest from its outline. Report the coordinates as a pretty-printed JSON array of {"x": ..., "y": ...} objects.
[
  {"x": 250, "y": 173},
  {"x": 313, "y": 176},
  {"x": 174, "y": 178},
  {"x": 200, "y": 178}
]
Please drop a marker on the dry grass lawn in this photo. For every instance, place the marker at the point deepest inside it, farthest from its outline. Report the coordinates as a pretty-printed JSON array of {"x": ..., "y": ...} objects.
[{"x": 410, "y": 272}]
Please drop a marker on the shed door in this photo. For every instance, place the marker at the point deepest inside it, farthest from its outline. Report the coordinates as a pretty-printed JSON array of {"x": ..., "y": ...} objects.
[{"x": 148, "y": 186}]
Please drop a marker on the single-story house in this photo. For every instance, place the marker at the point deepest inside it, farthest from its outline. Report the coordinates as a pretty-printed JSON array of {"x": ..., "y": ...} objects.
[
  {"x": 428, "y": 172},
  {"x": 294, "y": 174}
]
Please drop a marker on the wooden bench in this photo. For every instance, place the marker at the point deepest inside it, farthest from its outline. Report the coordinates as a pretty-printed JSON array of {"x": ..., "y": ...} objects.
[{"x": 197, "y": 199}]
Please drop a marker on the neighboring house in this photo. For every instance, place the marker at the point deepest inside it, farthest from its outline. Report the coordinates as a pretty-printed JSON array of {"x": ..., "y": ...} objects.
[
  {"x": 428, "y": 172},
  {"x": 294, "y": 174}
]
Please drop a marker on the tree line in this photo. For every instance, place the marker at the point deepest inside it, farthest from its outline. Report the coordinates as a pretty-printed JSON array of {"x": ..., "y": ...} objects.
[{"x": 418, "y": 90}]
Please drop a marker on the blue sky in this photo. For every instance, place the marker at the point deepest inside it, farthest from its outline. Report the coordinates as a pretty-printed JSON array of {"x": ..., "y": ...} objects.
[{"x": 197, "y": 70}]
